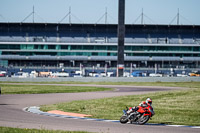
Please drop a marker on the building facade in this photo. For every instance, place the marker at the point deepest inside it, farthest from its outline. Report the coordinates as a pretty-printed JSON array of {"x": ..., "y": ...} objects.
[{"x": 69, "y": 45}]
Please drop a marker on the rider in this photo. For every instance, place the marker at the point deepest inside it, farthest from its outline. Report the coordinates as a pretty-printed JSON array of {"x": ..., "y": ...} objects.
[
  {"x": 149, "y": 102},
  {"x": 143, "y": 104}
]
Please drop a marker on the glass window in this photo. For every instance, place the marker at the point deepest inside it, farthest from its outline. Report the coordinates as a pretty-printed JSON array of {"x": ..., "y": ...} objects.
[
  {"x": 38, "y": 46},
  {"x": 76, "y": 47},
  {"x": 100, "y": 48},
  {"x": 87, "y": 53},
  {"x": 29, "y": 47},
  {"x": 45, "y": 47},
  {"x": 58, "y": 47},
  {"x": 7, "y": 46},
  {"x": 114, "y": 48},
  {"x": 113, "y": 54},
  {"x": 23, "y": 46},
  {"x": 94, "y": 54},
  {"x": 88, "y": 47},
  {"x": 3, "y": 46},
  {"x": 14, "y": 46},
  {"x": 64, "y": 46},
  {"x": 51, "y": 46},
  {"x": 196, "y": 49},
  {"x": 102, "y": 54}
]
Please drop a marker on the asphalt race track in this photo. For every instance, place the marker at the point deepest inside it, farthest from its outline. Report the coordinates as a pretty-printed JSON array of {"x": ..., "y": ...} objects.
[{"x": 12, "y": 114}]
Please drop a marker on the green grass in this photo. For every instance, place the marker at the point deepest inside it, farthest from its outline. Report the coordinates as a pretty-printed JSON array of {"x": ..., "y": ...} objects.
[
  {"x": 39, "y": 89},
  {"x": 172, "y": 84},
  {"x": 172, "y": 107},
  {"x": 25, "y": 130}
]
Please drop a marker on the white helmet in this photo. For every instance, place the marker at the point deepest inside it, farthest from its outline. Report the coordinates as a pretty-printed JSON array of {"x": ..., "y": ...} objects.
[{"x": 149, "y": 101}]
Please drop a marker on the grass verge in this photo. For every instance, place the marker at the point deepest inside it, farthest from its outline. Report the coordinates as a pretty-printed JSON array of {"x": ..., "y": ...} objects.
[
  {"x": 172, "y": 107},
  {"x": 169, "y": 84},
  {"x": 25, "y": 130},
  {"x": 39, "y": 89}
]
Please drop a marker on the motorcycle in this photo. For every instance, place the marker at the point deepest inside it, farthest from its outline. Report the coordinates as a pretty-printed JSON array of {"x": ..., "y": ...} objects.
[{"x": 139, "y": 115}]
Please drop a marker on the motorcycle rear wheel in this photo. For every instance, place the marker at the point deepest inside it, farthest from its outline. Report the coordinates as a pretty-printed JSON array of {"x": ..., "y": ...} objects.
[
  {"x": 123, "y": 119},
  {"x": 142, "y": 120}
]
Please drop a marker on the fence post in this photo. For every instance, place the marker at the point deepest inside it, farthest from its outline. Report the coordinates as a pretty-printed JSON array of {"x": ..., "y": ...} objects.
[{"x": 0, "y": 90}]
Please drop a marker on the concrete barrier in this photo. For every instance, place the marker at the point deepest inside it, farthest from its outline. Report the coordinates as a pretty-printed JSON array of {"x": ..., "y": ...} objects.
[{"x": 104, "y": 79}]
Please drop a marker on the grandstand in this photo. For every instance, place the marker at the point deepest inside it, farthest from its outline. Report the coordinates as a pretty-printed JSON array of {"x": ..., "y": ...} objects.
[{"x": 69, "y": 45}]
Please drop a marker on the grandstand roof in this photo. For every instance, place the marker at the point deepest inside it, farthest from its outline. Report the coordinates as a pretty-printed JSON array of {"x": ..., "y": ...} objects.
[{"x": 53, "y": 26}]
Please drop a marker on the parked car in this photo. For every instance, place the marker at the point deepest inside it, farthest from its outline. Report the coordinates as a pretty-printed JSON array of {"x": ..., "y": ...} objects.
[
  {"x": 94, "y": 74},
  {"x": 155, "y": 75},
  {"x": 33, "y": 74},
  {"x": 2, "y": 73},
  {"x": 136, "y": 74},
  {"x": 103, "y": 74},
  {"x": 20, "y": 75},
  {"x": 126, "y": 74},
  {"x": 182, "y": 75},
  {"x": 45, "y": 74},
  {"x": 77, "y": 76},
  {"x": 60, "y": 74},
  {"x": 195, "y": 74}
]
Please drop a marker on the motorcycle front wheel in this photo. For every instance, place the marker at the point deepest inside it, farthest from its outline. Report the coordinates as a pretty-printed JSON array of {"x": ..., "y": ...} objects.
[
  {"x": 123, "y": 119},
  {"x": 142, "y": 120}
]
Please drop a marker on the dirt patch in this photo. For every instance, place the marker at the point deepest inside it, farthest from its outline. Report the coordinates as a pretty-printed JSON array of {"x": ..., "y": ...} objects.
[{"x": 68, "y": 113}]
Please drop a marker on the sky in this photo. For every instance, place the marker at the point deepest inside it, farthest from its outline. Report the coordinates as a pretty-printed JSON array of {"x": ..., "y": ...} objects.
[{"x": 93, "y": 11}]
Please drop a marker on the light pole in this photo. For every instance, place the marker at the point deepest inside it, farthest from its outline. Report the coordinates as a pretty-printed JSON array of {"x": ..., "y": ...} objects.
[{"x": 121, "y": 34}]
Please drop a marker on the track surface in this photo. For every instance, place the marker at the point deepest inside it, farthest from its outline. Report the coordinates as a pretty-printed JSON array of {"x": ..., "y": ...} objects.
[{"x": 12, "y": 115}]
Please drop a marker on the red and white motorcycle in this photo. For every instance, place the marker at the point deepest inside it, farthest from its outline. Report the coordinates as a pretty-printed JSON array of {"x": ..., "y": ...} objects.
[{"x": 139, "y": 115}]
